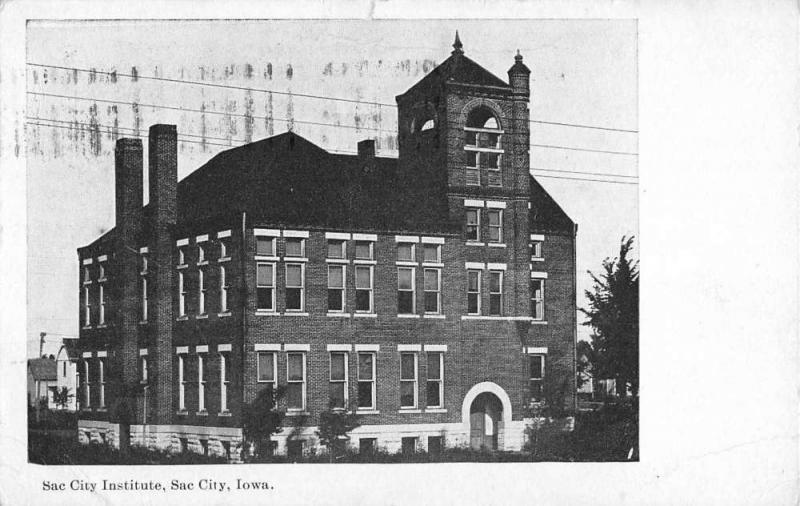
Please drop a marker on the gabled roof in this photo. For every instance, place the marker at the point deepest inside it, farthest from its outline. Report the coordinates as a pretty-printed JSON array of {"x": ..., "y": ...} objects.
[
  {"x": 69, "y": 350},
  {"x": 455, "y": 69},
  {"x": 42, "y": 369}
]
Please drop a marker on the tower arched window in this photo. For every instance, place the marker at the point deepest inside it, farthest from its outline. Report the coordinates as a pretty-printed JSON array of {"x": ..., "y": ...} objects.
[{"x": 483, "y": 147}]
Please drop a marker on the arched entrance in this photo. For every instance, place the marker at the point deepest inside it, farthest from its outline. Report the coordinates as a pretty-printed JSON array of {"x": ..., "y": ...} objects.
[
  {"x": 485, "y": 413},
  {"x": 485, "y": 417}
]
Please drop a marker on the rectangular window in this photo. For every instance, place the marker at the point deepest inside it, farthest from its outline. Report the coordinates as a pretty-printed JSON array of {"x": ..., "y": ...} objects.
[
  {"x": 338, "y": 380},
  {"x": 366, "y": 380},
  {"x": 181, "y": 385},
  {"x": 490, "y": 161},
  {"x": 87, "y": 275},
  {"x": 295, "y": 247},
  {"x": 363, "y": 288},
  {"x": 336, "y": 296},
  {"x": 223, "y": 249},
  {"x": 536, "y": 250},
  {"x": 101, "y": 383},
  {"x": 364, "y": 250},
  {"x": 473, "y": 171},
  {"x": 143, "y": 367},
  {"x": 336, "y": 248},
  {"x": 266, "y": 367},
  {"x": 296, "y": 381},
  {"x": 265, "y": 246},
  {"x": 495, "y": 225},
  {"x": 295, "y": 284},
  {"x": 473, "y": 225},
  {"x": 201, "y": 291},
  {"x": 265, "y": 286},
  {"x": 101, "y": 276},
  {"x": 473, "y": 292},
  {"x": 435, "y": 445},
  {"x": 367, "y": 445},
  {"x": 496, "y": 292},
  {"x": 223, "y": 290},
  {"x": 408, "y": 445},
  {"x": 87, "y": 308},
  {"x": 102, "y": 294},
  {"x": 432, "y": 253},
  {"x": 144, "y": 298},
  {"x": 408, "y": 380},
  {"x": 405, "y": 252},
  {"x": 435, "y": 385},
  {"x": 87, "y": 394},
  {"x": 201, "y": 254},
  {"x": 536, "y": 375},
  {"x": 181, "y": 295},
  {"x": 537, "y": 299},
  {"x": 223, "y": 383},
  {"x": 405, "y": 290},
  {"x": 145, "y": 265},
  {"x": 433, "y": 288},
  {"x": 182, "y": 255},
  {"x": 201, "y": 384}
]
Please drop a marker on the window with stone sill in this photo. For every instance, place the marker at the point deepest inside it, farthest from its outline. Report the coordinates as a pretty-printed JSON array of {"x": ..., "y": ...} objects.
[{"x": 265, "y": 246}]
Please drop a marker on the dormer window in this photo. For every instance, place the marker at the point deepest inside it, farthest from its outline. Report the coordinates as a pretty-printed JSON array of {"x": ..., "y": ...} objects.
[{"x": 483, "y": 148}]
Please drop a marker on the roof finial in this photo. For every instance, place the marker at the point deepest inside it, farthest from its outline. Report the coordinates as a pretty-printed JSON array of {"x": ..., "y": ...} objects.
[
  {"x": 457, "y": 45},
  {"x": 518, "y": 57}
]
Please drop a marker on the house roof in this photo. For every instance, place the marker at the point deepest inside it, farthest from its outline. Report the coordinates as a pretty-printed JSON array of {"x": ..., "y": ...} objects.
[
  {"x": 42, "y": 369},
  {"x": 69, "y": 350}
]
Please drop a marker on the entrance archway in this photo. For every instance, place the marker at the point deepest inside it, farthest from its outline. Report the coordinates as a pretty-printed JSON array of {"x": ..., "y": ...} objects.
[
  {"x": 485, "y": 417},
  {"x": 485, "y": 412}
]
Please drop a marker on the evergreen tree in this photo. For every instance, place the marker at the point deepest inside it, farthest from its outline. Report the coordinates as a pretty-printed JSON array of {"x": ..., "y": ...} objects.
[
  {"x": 613, "y": 315},
  {"x": 260, "y": 420}
]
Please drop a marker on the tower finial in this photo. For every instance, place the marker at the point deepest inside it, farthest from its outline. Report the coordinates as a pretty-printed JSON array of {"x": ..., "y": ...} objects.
[
  {"x": 457, "y": 45},
  {"x": 518, "y": 57}
]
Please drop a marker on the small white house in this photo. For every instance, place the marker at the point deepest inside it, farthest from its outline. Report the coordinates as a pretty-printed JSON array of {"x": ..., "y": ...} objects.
[
  {"x": 67, "y": 374},
  {"x": 41, "y": 379}
]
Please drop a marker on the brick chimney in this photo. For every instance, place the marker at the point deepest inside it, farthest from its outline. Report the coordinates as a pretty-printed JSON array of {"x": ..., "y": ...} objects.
[
  {"x": 128, "y": 173},
  {"x": 163, "y": 171}
]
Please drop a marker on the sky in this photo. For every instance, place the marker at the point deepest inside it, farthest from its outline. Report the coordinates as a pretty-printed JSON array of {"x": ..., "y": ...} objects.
[{"x": 253, "y": 79}]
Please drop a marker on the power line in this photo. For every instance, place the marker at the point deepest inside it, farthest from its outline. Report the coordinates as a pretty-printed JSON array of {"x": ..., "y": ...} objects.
[
  {"x": 587, "y": 179},
  {"x": 286, "y": 93},
  {"x": 70, "y": 125},
  {"x": 203, "y": 111},
  {"x": 66, "y": 127},
  {"x": 551, "y": 146},
  {"x": 584, "y": 173},
  {"x": 584, "y": 126},
  {"x": 571, "y": 148},
  {"x": 213, "y": 85}
]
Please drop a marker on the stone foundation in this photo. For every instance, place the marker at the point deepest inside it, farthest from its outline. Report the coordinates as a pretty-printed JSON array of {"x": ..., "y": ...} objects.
[{"x": 227, "y": 442}]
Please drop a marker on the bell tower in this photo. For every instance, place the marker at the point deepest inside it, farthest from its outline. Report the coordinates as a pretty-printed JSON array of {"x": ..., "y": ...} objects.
[{"x": 464, "y": 133}]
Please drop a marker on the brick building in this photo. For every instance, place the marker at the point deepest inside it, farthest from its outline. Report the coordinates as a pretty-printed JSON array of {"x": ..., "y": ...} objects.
[{"x": 434, "y": 293}]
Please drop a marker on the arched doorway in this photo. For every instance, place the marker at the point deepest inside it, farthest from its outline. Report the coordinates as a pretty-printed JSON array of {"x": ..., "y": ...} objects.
[{"x": 485, "y": 419}]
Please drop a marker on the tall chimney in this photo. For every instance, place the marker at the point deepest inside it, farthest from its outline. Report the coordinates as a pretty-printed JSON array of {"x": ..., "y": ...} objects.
[
  {"x": 128, "y": 173},
  {"x": 128, "y": 185},
  {"x": 163, "y": 171}
]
